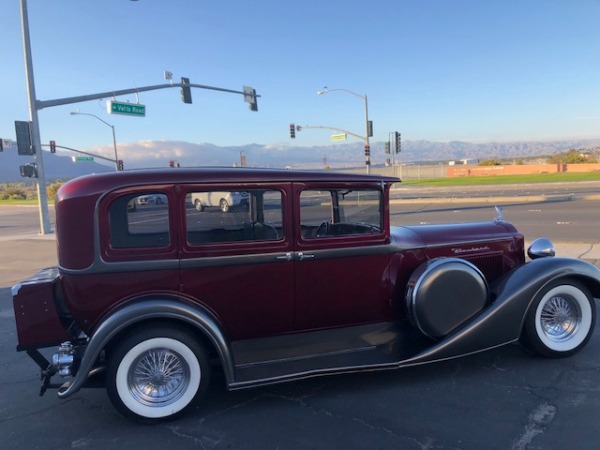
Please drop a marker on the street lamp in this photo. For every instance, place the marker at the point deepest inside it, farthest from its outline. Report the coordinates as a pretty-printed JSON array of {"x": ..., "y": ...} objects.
[
  {"x": 74, "y": 113},
  {"x": 367, "y": 128}
]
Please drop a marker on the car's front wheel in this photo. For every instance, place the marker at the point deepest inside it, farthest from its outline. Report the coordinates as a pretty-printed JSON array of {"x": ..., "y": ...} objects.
[
  {"x": 560, "y": 320},
  {"x": 157, "y": 373}
]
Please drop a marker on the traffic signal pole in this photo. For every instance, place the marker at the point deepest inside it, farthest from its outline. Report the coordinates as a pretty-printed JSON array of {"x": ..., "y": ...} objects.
[
  {"x": 35, "y": 125},
  {"x": 35, "y": 105}
]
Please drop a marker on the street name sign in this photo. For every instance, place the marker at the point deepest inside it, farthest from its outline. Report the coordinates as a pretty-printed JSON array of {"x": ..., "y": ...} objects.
[
  {"x": 127, "y": 109},
  {"x": 82, "y": 158},
  {"x": 339, "y": 137}
]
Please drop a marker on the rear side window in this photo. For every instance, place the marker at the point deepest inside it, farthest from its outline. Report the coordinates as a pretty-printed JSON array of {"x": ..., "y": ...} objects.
[
  {"x": 140, "y": 220},
  {"x": 233, "y": 216}
]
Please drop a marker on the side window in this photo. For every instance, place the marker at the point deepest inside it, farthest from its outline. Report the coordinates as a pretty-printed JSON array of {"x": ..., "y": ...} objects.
[
  {"x": 233, "y": 216},
  {"x": 340, "y": 212},
  {"x": 140, "y": 220}
]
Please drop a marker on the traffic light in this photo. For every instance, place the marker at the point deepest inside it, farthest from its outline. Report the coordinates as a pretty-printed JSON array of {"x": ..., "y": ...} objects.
[
  {"x": 367, "y": 150},
  {"x": 292, "y": 131},
  {"x": 120, "y": 164},
  {"x": 52, "y": 146},
  {"x": 29, "y": 170},
  {"x": 370, "y": 128},
  {"x": 387, "y": 147},
  {"x": 186, "y": 91},
  {"x": 23, "y": 132},
  {"x": 171, "y": 163},
  {"x": 398, "y": 142}
]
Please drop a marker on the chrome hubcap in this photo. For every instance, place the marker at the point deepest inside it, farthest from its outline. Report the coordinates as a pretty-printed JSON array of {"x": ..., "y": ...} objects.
[
  {"x": 158, "y": 377},
  {"x": 560, "y": 318}
]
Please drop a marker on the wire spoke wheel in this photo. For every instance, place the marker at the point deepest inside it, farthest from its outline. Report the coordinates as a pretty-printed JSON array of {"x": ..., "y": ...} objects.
[
  {"x": 159, "y": 376},
  {"x": 157, "y": 373},
  {"x": 560, "y": 319}
]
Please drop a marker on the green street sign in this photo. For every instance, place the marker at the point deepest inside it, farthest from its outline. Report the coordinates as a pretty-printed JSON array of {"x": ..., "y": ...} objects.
[
  {"x": 127, "y": 109},
  {"x": 82, "y": 158}
]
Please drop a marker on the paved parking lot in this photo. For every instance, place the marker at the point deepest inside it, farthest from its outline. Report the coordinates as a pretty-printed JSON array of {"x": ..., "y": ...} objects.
[{"x": 502, "y": 399}]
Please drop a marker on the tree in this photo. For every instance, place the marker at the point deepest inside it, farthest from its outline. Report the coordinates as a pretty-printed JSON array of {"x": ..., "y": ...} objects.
[{"x": 572, "y": 156}]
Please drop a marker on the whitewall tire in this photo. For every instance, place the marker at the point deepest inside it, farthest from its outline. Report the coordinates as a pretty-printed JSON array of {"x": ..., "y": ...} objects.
[
  {"x": 157, "y": 374},
  {"x": 560, "y": 320}
]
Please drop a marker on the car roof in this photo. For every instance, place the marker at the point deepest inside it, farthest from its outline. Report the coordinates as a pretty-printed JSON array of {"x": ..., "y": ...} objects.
[{"x": 104, "y": 182}]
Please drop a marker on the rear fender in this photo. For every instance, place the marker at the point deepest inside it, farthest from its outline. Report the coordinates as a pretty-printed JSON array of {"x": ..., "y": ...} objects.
[{"x": 143, "y": 310}]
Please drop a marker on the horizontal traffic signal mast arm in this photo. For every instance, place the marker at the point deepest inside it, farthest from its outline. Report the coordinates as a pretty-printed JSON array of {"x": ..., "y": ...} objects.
[
  {"x": 41, "y": 104},
  {"x": 335, "y": 129},
  {"x": 82, "y": 152}
]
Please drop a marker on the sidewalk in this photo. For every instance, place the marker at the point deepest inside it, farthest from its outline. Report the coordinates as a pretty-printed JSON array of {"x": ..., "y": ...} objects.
[
  {"x": 578, "y": 250},
  {"x": 23, "y": 256}
]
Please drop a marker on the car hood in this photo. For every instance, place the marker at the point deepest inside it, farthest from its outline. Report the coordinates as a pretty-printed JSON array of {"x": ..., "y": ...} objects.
[{"x": 453, "y": 234}]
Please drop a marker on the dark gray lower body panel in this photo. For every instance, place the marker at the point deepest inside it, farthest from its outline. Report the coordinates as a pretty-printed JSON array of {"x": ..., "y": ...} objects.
[{"x": 375, "y": 346}]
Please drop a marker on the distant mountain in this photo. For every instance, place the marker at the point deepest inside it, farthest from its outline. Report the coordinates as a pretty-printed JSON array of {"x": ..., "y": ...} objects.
[
  {"x": 416, "y": 151},
  {"x": 159, "y": 153}
]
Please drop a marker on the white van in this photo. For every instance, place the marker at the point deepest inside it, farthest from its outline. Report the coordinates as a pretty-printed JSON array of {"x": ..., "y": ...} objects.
[{"x": 224, "y": 200}]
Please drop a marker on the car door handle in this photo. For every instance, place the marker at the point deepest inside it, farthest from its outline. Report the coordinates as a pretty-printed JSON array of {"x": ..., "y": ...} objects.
[
  {"x": 302, "y": 256},
  {"x": 286, "y": 257}
]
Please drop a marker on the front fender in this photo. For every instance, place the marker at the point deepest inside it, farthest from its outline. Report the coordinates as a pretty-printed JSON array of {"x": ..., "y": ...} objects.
[
  {"x": 147, "y": 309},
  {"x": 502, "y": 321},
  {"x": 517, "y": 290},
  {"x": 526, "y": 281}
]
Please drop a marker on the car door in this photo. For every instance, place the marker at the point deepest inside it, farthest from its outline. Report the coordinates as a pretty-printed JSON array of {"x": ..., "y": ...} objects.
[
  {"x": 239, "y": 263},
  {"x": 342, "y": 255}
]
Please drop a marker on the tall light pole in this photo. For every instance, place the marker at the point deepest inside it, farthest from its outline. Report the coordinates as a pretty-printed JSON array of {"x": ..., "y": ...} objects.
[
  {"x": 73, "y": 113},
  {"x": 35, "y": 125},
  {"x": 367, "y": 127}
]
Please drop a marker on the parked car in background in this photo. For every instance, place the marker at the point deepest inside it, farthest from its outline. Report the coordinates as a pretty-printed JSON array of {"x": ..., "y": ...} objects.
[
  {"x": 223, "y": 200},
  {"x": 152, "y": 199},
  {"x": 310, "y": 279}
]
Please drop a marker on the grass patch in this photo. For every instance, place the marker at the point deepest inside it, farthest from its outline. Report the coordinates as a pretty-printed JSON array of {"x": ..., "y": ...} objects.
[
  {"x": 23, "y": 202},
  {"x": 505, "y": 179}
]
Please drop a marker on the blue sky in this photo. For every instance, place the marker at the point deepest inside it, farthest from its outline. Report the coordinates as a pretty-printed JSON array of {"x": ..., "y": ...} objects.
[{"x": 494, "y": 70}]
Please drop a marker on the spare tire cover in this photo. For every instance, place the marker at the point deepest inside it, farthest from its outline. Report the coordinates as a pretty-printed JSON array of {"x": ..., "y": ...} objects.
[{"x": 444, "y": 293}]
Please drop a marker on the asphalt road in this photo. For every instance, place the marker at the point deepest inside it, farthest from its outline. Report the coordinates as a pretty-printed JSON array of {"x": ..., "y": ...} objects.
[
  {"x": 561, "y": 219},
  {"x": 501, "y": 399}
]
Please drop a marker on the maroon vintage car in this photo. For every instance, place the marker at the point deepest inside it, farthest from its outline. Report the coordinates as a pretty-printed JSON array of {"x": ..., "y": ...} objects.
[{"x": 306, "y": 278}]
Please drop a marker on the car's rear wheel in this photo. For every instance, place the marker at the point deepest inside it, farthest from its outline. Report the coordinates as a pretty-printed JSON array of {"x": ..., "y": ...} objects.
[
  {"x": 560, "y": 320},
  {"x": 157, "y": 373},
  {"x": 198, "y": 205},
  {"x": 224, "y": 205}
]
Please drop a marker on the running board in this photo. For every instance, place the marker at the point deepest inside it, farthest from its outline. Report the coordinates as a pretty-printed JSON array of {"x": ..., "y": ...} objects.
[{"x": 284, "y": 358}]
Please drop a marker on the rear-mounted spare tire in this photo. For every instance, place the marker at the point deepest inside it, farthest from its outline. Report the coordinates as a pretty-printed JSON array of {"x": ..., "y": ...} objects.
[{"x": 445, "y": 293}]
